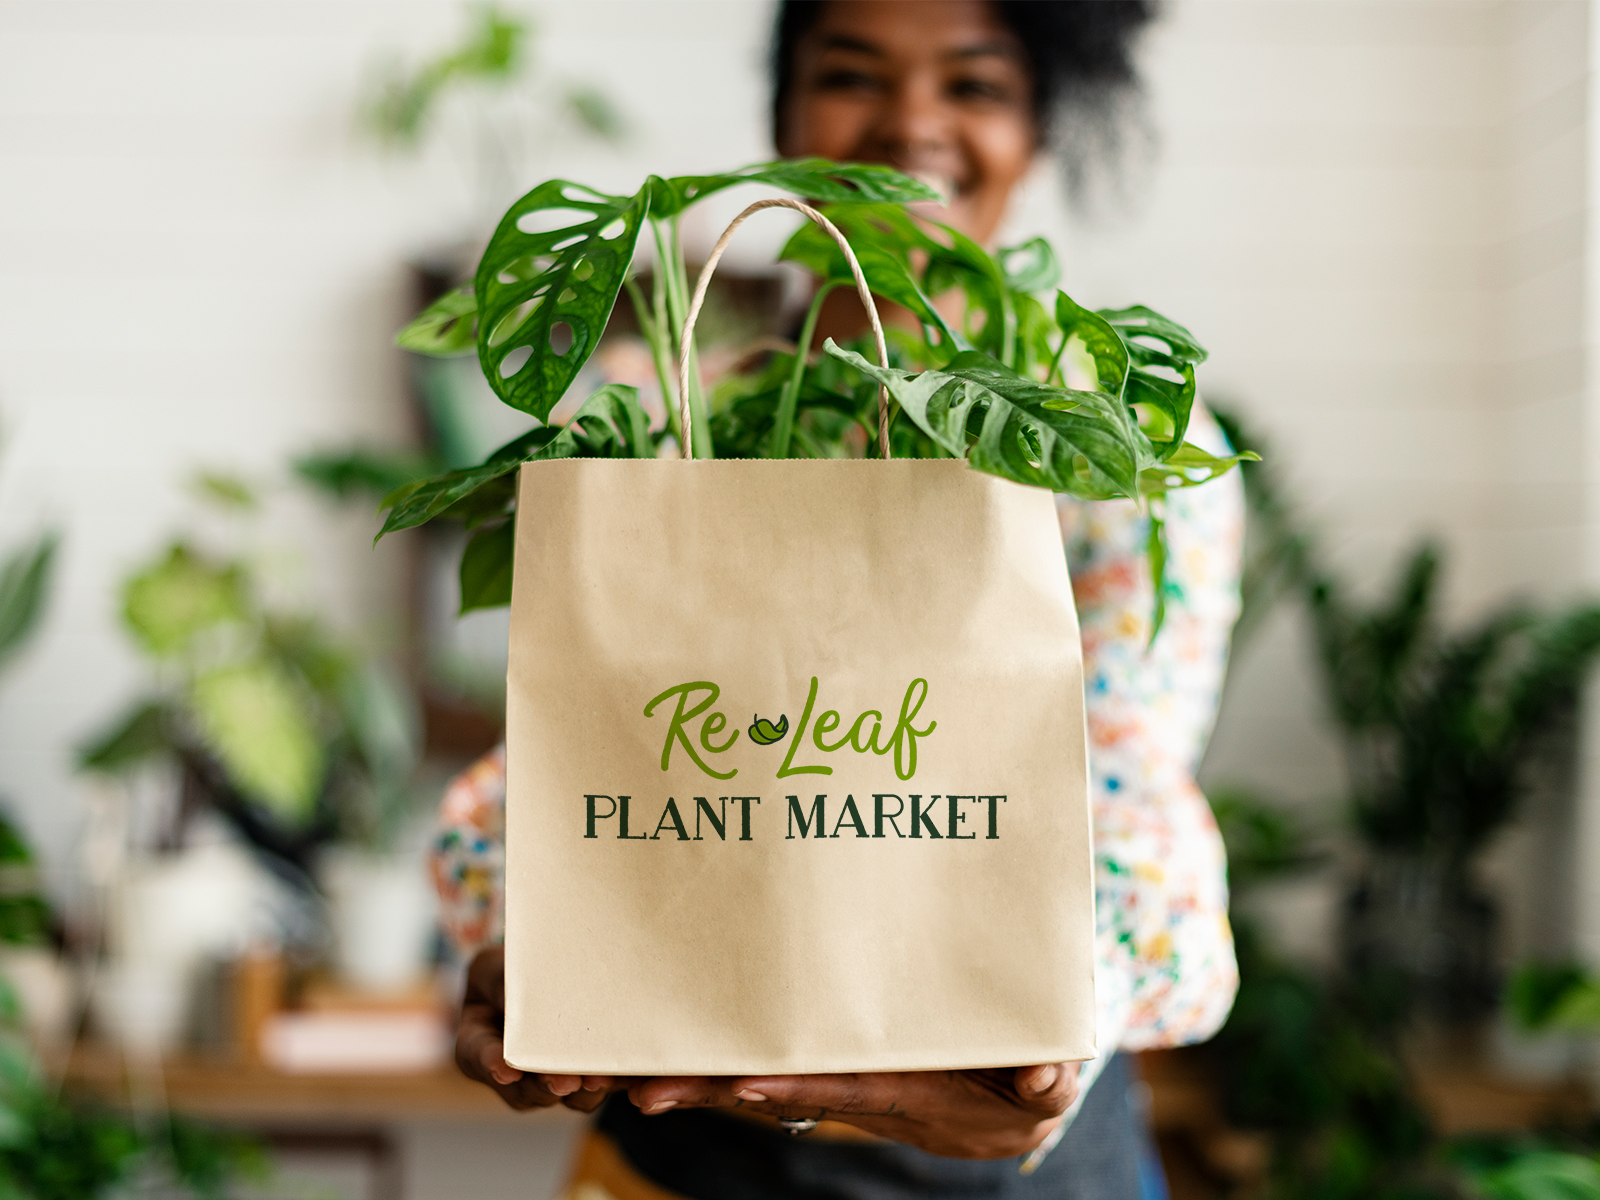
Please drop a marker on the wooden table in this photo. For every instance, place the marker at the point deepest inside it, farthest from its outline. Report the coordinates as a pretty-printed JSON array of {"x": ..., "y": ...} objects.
[
  {"x": 345, "y": 1115},
  {"x": 220, "y": 1089}
]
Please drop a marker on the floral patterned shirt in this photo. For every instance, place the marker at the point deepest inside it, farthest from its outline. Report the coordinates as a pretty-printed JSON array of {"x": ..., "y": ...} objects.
[{"x": 1165, "y": 972}]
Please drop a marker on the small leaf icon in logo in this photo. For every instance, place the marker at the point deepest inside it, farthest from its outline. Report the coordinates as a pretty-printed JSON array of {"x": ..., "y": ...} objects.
[{"x": 763, "y": 732}]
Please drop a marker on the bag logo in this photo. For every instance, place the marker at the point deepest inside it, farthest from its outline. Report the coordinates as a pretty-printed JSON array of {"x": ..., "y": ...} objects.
[
  {"x": 764, "y": 733},
  {"x": 694, "y": 702}
]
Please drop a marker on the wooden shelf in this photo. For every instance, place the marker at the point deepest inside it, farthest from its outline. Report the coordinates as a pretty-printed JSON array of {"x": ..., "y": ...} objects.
[
  {"x": 218, "y": 1089},
  {"x": 1465, "y": 1100}
]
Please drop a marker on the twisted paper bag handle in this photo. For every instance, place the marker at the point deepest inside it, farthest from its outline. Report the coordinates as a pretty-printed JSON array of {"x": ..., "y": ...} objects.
[{"x": 685, "y": 420}]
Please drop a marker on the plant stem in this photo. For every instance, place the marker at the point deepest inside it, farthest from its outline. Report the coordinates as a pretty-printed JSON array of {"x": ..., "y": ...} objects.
[
  {"x": 670, "y": 256},
  {"x": 1055, "y": 363},
  {"x": 668, "y": 290},
  {"x": 789, "y": 401},
  {"x": 1008, "y": 328},
  {"x": 655, "y": 333}
]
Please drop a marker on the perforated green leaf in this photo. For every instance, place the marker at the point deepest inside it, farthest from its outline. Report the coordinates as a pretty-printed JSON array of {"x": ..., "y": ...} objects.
[
  {"x": 1189, "y": 466},
  {"x": 884, "y": 262},
  {"x": 1030, "y": 267},
  {"x": 945, "y": 257},
  {"x": 816, "y": 179},
  {"x": 1083, "y": 443},
  {"x": 546, "y": 286},
  {"x": 1102, "y": 342}
]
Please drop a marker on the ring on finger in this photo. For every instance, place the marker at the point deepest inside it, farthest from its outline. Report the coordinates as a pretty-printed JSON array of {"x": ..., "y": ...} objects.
[{"x": 795, "y": 1126}]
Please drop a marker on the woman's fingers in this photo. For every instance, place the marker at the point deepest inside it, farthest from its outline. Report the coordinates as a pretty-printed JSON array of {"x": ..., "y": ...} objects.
[
  {"x": 479, "y": 1049},
  {"x": 870, "y": 1095},
  {"x": 486, "y": 978},
  {"x": 1048, "y": 1089},
  {"x": 666, "y": 1092},
  {"x": 480, "y": 1055},
  {"x": 584, "y": 1102}
]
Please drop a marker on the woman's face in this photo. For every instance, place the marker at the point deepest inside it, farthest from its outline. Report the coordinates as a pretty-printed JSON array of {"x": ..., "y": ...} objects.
[{"x": 939, "y": 89}]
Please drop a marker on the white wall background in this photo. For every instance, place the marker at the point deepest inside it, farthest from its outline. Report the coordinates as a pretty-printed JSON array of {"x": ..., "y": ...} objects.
[{"x": 1374, "y": 212}]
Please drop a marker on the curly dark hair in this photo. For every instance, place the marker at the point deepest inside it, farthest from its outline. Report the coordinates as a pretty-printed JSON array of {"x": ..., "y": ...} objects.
[{"x": 1080, "y": 53}]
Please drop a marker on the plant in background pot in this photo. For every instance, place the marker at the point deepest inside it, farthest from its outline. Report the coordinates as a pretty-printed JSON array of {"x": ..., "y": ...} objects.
[
  {"x": 1444, "y": 733},
  {"x": 29, "y": 959},
  {"x": 52, "y": 1148},
  {"x": 507, "y": 113},
  {"x": 306, "y": 745},
  {"x": 293, "y": 736},
  {"x": 1312, "y": 1062}
]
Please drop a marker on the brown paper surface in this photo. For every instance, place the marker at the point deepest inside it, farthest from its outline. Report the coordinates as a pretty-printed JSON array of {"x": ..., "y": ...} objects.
[{"x": 760, "y": 946}]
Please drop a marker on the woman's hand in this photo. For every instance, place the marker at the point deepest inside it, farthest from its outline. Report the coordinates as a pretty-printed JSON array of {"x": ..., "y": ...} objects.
[
  {"x": 996, "y": 1113},
  {"x": 480, "y": 1047}
]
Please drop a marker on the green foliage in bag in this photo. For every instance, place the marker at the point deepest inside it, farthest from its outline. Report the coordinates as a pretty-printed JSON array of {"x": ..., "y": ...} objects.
[{"x": 992, "y": 389}]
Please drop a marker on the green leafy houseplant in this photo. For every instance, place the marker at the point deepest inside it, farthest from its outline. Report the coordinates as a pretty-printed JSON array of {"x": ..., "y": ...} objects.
[
  {"x": 1443, "y": 733},
  {"x": 486, "y": 100},
  {"x": 292, "y": 736},
  {"x": 990, "y": 388},
  {"x": 24, "y": 584},
  {"x": 51, "y": 1148},
  {"x": 54, "y": 1148},
  {"x": 25, "y": 574},
  {"x": 1313, "y": 1062}
]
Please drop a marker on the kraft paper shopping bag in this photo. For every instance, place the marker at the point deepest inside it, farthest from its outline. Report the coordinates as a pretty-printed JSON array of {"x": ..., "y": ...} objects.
[{"x": 796, "y": 771}]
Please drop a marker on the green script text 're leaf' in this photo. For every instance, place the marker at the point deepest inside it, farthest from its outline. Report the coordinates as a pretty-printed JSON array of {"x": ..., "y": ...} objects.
[{"x": 694, "y": 701}]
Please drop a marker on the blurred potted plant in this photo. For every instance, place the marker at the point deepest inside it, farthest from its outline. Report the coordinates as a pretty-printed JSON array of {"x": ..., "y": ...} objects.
[
  {"x": 1314, "y": 1064},
  {"x": 29, "y": 959},
  {"x": 1442, "y": 734},
  {"x": 506, "y": 114},
  {"x": 55, "y": 1148},
  {"x": 294, "y": 737}
]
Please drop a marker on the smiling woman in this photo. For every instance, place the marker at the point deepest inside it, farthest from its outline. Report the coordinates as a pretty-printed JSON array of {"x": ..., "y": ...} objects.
[
  {"x": 964, "y": 95},
  {"x": 948, "y": 99}
]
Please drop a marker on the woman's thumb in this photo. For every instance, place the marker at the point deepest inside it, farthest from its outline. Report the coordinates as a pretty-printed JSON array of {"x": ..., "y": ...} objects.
[{"x": 1048, "y": 1087}]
